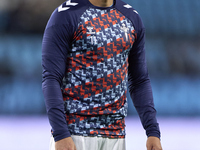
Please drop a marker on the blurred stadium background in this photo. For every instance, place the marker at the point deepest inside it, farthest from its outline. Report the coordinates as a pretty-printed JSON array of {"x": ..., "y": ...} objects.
[{"x": 172, "y": 51}]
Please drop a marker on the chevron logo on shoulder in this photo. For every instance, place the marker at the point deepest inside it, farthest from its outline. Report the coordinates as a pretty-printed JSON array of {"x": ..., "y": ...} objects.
[
  {"x": 68, "y": 3},
  {"x": 127, "y": 6},
  {"x": 135, "y": 11}
]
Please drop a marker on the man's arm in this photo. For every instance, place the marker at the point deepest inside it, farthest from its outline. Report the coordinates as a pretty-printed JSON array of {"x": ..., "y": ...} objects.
[
  {"x": 54, "y": 58},
  {"x": 54, "y": 55},
  {"x": 140, "y": 87},
  {"x": 141, "y": 91}
]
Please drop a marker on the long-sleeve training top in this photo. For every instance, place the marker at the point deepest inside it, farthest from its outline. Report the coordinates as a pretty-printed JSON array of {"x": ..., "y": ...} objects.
[{"x": 89, "y": 55}]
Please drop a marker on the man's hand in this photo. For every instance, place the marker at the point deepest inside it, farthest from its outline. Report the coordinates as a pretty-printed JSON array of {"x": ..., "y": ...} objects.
[
  {"x": 65, "y": 144},
  {"x": 153, "y": 143}
]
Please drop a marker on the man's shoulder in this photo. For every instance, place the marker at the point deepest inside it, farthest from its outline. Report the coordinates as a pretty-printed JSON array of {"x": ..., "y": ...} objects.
[
  {"x": 126, "y": 8},
  {"x": 128, "y": 11},
  {"x": 68, "y": 12}
]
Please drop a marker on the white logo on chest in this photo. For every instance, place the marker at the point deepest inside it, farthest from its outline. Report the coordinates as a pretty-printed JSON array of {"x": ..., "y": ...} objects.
[
  {"x": 125, "y": 29},
  {"x": 92, "y": 37}
]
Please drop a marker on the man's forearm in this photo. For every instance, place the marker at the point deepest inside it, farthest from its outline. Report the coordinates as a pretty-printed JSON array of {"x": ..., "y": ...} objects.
[
  {"x": 55, "y": 109},
  {"x": 143, "y": 102}
]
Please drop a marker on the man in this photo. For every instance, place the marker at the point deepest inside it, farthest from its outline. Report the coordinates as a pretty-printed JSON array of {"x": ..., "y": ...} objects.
[{"x": 90, "y": 49}]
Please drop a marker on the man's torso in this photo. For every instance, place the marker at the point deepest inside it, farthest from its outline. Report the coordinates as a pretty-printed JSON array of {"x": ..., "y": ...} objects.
[{"x": 94, "y": 87}]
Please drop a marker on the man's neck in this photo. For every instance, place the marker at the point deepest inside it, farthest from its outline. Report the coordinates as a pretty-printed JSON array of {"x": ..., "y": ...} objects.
[{"x": 102, "y": 3}]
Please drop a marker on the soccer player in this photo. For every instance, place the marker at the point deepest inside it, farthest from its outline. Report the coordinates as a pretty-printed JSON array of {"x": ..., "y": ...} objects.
[{"x": 91, "y": 50}]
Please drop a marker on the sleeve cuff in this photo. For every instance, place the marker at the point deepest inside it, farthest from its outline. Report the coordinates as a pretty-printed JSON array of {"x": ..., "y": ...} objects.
[
  {"x": 153, "y": 130},
  {"x": 61, "y": 134},
  {"x": 155, "y": 134}
]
